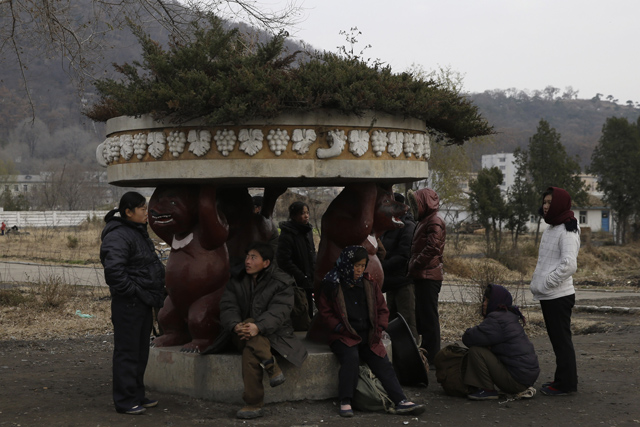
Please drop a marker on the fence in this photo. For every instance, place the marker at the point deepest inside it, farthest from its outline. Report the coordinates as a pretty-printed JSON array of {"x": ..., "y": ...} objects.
[{"x": 48, "y": 218}]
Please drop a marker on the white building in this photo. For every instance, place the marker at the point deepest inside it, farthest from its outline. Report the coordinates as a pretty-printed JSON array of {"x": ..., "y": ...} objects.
[
  {"x": 506, "y": 163},
  {"x": 20, "y": 184}
]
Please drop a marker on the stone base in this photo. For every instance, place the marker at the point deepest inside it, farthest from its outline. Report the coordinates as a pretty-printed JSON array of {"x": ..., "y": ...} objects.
[{"x": 218, "y": 377}]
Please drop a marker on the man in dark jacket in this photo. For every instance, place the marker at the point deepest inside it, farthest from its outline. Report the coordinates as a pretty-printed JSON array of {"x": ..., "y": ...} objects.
[
  {"x": 425, "y": 266},
  {"x": 500, "y": 353},
  {"x": 255, "y": 309},
  {"x": 397, "y": 285}
]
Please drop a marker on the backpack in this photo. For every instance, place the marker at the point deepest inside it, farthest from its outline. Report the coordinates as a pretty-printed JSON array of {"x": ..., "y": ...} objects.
[
  {"x": 451, "y": 363},
  {"x": 369, "y": 394}
]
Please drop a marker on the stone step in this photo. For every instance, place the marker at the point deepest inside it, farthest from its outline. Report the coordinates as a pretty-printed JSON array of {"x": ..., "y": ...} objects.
[{"x": 218, "y": 377}]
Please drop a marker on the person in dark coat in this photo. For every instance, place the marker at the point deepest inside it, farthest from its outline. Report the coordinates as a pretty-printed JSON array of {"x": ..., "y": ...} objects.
[
  {"x": 353, "y": 311},
  {"x": 255, "y": 310},
  {"x": 425, "y": 266},
  {"x": 397, "y": 285},
  {"x": 296, "y": 252},
  {"x": 135, "y": 276},
  {"x": 500, "y": 353}
]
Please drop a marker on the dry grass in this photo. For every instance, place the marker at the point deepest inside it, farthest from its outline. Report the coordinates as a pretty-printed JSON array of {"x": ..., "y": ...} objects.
[
  {"x": 599, "y": 262},
  {"x": 68, "y": 245},
  {"x": 48, "y": 310}
]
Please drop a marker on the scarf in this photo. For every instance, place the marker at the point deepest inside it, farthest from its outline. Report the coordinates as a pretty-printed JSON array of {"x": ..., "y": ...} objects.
[
  {"x": 560, "y": 210},
  {"x": 501, "y": 299},
  {"x": 342, "y": 272}
]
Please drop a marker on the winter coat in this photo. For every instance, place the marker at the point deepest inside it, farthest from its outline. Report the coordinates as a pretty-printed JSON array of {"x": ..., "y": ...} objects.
[
  {"x": 397, "y": 243},
  {"x": 131, "y": 266},
  {"x": 428, "y": 239},
  {"x": 502, "y": 332},
  {"x": 332, "y": 314},
  {"x": 557, "y": 261},
  {"x": 296, "y": 252},
  {"x": 270, "y": 308}
]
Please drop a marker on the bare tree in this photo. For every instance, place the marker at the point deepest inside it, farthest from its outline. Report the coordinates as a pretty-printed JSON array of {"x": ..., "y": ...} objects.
[{"x": 74, "y": 33}]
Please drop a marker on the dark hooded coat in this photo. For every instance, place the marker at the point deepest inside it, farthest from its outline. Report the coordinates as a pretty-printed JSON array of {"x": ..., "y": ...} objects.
[
  {"x": 131, "y": 266},
  {"x": 270, "y": 306},
  {"x": 296, "y": 252},
  {"x": 397, "y": 243},
  {"x": 502, "y": 332},
  {"x": 429, "y": 237}
]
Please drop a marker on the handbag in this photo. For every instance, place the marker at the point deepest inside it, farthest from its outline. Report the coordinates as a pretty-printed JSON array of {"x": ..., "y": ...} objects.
[
  {"x": 451, "y": 363},
  {"x": 369, "y": 394}
]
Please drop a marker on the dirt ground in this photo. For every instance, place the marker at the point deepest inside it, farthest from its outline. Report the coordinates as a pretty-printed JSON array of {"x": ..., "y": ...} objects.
[{"x": 67, "y": 382}]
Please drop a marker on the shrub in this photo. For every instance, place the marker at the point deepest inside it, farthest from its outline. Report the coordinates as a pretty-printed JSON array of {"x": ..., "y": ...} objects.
[
  {"x": 458, "y": 267},
  {"x": 53, "y": 291},
  {"x": 72, "y": 242},
  {"x": 219, "y": 77},
  {"x": 13, "y": 297}
]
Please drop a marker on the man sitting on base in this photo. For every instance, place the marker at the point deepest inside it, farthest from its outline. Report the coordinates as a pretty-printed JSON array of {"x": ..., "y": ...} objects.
[{"x": 256, "y": 309}]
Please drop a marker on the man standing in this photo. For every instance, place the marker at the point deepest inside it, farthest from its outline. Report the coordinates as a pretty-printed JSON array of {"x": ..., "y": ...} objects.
[
  {"x": 255, "y": 309},
  {"x": 425, "y": 266},
  {"x": 397, "y": 285},
  {"x": 2, "y": 228}
]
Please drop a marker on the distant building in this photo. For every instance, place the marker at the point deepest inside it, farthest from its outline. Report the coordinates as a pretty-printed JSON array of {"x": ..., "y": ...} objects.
[
  {"x": 21, "y": 184},
  {"x": 506, "y": 163}
]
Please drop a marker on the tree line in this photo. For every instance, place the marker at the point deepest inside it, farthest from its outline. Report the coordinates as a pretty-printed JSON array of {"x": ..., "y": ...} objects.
[{"x": 545, "y": 163}]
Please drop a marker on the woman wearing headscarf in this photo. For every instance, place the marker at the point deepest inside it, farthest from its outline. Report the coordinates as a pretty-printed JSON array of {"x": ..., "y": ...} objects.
[
  {"x": 352, "y": 308},
  {"x": 552, "y": 284},
  {"x": 135, "y": 277},
  {"x": 500, "y": 353}
]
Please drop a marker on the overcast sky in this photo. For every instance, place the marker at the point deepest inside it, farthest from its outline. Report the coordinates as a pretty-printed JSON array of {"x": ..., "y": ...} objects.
[{"x": 591, "y": 45}]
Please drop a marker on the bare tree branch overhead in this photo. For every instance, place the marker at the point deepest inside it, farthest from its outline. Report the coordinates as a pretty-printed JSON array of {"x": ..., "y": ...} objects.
[{"x": 73, "y": 33}]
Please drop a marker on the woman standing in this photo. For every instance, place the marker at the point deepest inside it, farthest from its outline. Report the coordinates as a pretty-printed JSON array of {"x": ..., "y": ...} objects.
[
  {"x": 552, "y": 284},
  {"x": 135, "y": 277},
  {"x": 351, "y": 307},
  {"x": 296, "y": 253}
]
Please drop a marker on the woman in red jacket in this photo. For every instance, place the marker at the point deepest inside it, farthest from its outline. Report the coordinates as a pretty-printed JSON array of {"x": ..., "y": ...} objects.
[
  {"x": 425, "y": 266},
  {"x": 352, "y": 308}
]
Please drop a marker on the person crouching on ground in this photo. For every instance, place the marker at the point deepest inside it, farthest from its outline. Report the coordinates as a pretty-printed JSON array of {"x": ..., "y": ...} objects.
[
  {"x": 500, "y": 353},
  {"x": 552, "y": 284},
  {"x": 256, "y": 308},
  {"x": 352, "y": 308}
]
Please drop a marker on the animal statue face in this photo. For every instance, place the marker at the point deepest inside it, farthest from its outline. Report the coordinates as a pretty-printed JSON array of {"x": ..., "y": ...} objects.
[
  {"x": 387, "y": 212},
  {"x": 174, "y": 208}
]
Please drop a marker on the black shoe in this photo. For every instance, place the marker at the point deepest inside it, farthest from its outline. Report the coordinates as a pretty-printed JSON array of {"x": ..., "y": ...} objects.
[
  {"x": 346, "y": 413},
  {"x": 149, "y": 403},
  {"x": 483, "y": 394},
  {"x": 136, "y": 410},
  {"x": 409, "y": 408},
  {"x": 552, "y": 391}
]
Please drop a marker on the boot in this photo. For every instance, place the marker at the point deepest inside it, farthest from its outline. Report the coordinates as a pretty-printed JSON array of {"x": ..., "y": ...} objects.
[
  {"x": 276, "y": 377},
  {"x": 250, "y": 412}
]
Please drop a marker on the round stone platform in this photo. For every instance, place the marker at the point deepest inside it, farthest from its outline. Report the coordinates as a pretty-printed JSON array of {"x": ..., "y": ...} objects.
[{"x": 218, "y": 377}]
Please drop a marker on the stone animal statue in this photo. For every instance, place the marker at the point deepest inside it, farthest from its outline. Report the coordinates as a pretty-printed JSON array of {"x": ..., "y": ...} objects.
[
  {"x": 361, "y": 213},
  {"x": 187, "y": 218}
]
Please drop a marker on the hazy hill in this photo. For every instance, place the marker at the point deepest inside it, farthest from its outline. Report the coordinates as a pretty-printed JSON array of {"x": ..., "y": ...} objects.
[
  {"x": 61, "y": 133},
  {"x": 579, "y": 121}
]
